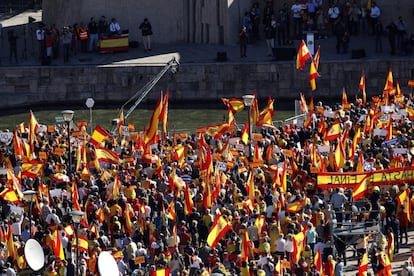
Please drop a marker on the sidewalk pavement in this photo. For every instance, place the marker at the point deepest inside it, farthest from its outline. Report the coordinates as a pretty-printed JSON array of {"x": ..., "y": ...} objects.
[{"x": 184, "y": 52}]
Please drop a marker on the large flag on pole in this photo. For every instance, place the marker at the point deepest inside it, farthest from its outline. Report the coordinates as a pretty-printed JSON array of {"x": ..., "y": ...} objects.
[
  {"x": 313, "y": 75},
  {"x": 164, "y": 115},
  {"x": 152, "y": 128},
  {"x": 302, "y": 56}
]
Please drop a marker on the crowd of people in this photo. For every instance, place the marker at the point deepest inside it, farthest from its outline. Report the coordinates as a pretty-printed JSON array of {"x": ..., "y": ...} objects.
[
  {"x": 81, "y": 37},
  {"x": 340, "y": 19},
  {"x": 214, "y": 202}
]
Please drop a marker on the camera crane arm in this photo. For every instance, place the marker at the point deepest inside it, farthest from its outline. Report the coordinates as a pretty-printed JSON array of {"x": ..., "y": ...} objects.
[{"x": 172, "y": 66}]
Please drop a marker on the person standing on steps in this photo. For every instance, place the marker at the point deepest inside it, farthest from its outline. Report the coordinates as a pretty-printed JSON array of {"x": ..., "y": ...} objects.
[
  {"x": 146, "y": 30},
  {"x": 12, "y": 46},
  {"x": 243, "y": 38}
]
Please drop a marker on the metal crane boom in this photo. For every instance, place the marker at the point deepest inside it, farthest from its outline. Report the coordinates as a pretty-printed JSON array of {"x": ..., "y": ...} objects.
[{"x": 172, "y": 66}]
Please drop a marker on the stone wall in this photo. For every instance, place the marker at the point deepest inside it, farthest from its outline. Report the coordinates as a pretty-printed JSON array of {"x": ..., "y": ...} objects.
[{"x": 46, "y": 87}]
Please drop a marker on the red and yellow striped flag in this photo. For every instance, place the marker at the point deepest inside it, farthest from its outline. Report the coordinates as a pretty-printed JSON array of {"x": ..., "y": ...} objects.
[
  {"x": 83, "y": 243},
  {"x": 218, "y": 230},
  {"x": 161, "y": 272},
  {"x": 363, "y": 265}
]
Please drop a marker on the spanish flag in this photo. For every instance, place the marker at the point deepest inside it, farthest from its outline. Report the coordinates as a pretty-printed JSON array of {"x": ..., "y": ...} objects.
[
  {"x": 360, "y": 190},
  {"x": 99, "y": 135},
  {"x": 75, "y": 196},
  {"x": 318, "y": 261},
  {"x": 404, "y": 200},
  {"x": 235, "y": 105},
  {"x": 161, "y": 272},
  {"x": 117, "y": 187},
  {"x": 11, "y": 249},
  {"x": 302, "y": 56},
  {"x": 218, "y": 230},
  {"x": 362, "y": 88},
  {"x": 83, "y": 243},
  {"x": 245, "y": 134},
  {"x": 57, "y": 245},
  {"x": 363, "y": 265},
  {"x": 152, "y": 128},
  {"x": 33, "y": 126},
  {"x": 32, "y": 169},
  {"x": 188, "y": 201},
  {"x": 334, "y": 131},
  {"x": 128, "y": 222},
  {"x": 316, "y": 58},
  {"x": 118, "y": 255},
  {"x": 298, "y": 241},
  {"x": 164, "y": 115},
  {"x": 171, "y": 211},
  {"x": 246, "y": 244},
  {"x": 295, "y": 206},
  {"x": 100, "y": 214},
  {"x": 107, "y": 156},
  {"x": 313, "y": 75},
  {"x": 266, "y": 115},
  {"x": 121, "y": 123},
  {"x": 389, "y": 83},
  {"x": 10, "y": 196}
]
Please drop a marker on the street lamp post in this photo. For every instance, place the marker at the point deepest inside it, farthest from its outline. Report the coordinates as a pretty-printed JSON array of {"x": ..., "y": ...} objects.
[
  {"x": 28, "y": 197},
  {"x": 248, "y": 101},
  {"x": 76, "y": 218},
  {"x": 67, "y": 117}
]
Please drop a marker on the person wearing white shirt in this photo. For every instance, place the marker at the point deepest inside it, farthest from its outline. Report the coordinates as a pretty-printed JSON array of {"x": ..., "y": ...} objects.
[
  {"x": 320, "y": 245},
  {"x": 9, "y": 270},
  {"x": 53, "y": 218},
  {"x": 375, "y": 14},
  {"x": 114, "y": 27},
  {"x": 16, "y": 226},
  {"x": 195, "y": 262},
  {"x": 289, "y": 246},
  {"x": 253, "y": 234},
  {"x": 280, "y": 246},
  {"x": 297, "y": 18},
  {"x": 64, "y": 240}
]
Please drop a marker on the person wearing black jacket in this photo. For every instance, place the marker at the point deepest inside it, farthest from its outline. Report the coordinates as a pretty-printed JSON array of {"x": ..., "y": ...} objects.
[{"x": 146, "y": 30}]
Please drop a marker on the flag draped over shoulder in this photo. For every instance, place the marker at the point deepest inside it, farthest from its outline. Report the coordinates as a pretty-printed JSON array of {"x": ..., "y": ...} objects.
[
  {"x": 218, "y": 230},
  {"x": 302, "y": 56}
]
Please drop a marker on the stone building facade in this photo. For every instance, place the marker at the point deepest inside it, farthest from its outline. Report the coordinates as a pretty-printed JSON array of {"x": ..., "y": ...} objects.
[{"x": 191, "y": 21}]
